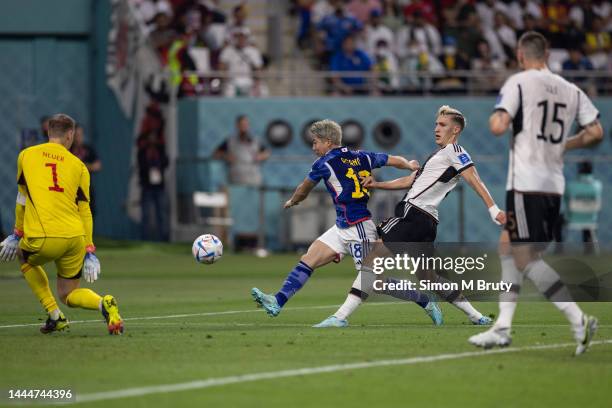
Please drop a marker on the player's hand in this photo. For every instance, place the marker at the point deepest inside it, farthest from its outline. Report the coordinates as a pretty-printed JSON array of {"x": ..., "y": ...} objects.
[
  {"x": 414, "y": 165},
  {"x": 368, "y": 182},
  {"x": 91, "y": 267},
  {"x": 9, "y": 248},
  {"x": 498, "y": 216},
  {"x": 289, "y": 203}
]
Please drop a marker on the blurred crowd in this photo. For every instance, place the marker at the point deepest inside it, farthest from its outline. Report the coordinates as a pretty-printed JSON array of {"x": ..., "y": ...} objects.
[
  {"x": 436, "y": 36},
  {"x": 197, "y": 35},
  {"x": 405, "y": 45}
]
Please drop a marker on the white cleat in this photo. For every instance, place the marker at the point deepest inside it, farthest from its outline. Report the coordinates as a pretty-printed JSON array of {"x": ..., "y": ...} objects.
[
  {"x": 494, "y": 337},
  {"x": 589, "y": 327}
]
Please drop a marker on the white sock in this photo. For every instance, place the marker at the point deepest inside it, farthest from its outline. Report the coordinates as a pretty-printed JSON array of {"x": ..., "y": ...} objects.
[
  {"x": 54, "y": 314},
  {"x": 351, "y": 303},
  {"x": 467, "y": 308},
  {"x": 544, "y": 277},
  {"x": 572, "y": 312},
  {"x": 507, "y": 301},
  {"x": 507, "y": 306}
]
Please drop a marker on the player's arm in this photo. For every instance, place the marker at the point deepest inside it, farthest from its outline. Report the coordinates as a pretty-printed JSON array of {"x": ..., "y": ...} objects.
[
  {"x": 470, "y": 175},
  {"x": 84, "y": 210},
  {"x": 8, "y": 247},
  {"x": 400, "y": 162},
  {"x": 401, "y": 183},
  {"x": 588, "y": 136},
  {"x": 499, "y": 122},
  {"x": 301, "y": 192}
]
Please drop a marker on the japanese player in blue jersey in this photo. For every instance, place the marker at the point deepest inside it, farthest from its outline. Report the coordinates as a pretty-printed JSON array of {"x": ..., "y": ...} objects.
[{"x": 340, "y": 169}]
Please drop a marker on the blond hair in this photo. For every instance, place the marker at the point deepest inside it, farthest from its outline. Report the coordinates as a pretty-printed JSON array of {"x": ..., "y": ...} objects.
[
  {"x": 327, "y": 130},
  {"x": 454, "y": 114}
]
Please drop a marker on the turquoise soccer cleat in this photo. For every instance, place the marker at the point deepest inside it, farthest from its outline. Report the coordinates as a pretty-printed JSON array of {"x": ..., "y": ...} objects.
[
  {"x": 433, "y": 311},
  {"x": 268, "y": 302},
  {"x": 332, "y": 321},
  {"x": 483, "y": 321}
]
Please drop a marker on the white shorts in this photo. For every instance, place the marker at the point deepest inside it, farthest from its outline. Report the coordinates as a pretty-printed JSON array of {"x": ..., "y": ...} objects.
[{"x": 355, "y": 240}]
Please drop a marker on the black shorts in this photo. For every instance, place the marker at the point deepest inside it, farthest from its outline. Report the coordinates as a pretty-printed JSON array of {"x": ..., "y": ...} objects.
[
  {"x": 416, "y": 226},
  {"x": 532, "y": 217}
]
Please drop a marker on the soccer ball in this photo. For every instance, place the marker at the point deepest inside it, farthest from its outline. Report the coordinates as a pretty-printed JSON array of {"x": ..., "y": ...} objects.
[{"x": 207, "y": 249}]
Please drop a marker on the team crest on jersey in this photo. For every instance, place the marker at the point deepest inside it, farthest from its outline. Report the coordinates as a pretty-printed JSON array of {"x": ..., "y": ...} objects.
[{"x": 464, "y": 158}]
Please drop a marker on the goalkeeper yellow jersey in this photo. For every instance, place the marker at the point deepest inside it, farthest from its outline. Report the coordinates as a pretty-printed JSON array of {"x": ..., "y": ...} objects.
[{"x": 51, "y": 182}]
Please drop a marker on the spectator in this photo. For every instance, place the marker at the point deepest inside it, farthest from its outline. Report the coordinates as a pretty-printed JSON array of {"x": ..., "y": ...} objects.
[
  {"x": 242, "y": 62},
  {"x": 304, "y": 9},
  {"x": 375, "y": 31},
  {"x": 505, "y": 34},
  {"x": 162, "y": 36},
  {"x": 423, "y": 33},
  {"x": 320, "y": 9},
  {"x": 180, "y": 62},
  {"x": 240, "y": 14},
  {"x": 362, "y": 9},
  {"x": 598, "y": 44},
  {"x": 556, "y": 21},
  {"x": 518, "y": 9},
  {"x": 531, "y": 23},
  {"x": 603, "y": 9},
  {"x": 468, "y": 35},
  {"x": 581, "y": 14},
  {"x": 486, "y": 10},
  {"x": 350, "y": 59},
  {"x": 391, "y": 15},
  {"x": 88, "y": 155},
  {"x": 424, "y": 8},
  {"x": 152, "y": 163},
  {"x": 243, "y": 154},
  {"x": 333, "y": 29},
  {"x": 386, "y": 68}
]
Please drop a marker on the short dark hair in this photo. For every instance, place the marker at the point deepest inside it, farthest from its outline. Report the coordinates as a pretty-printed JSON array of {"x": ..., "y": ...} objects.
[
  {"x": 60, "y": 124},
  {"x": 533, "y": 45},
  {"x": 240, "y": 117}
]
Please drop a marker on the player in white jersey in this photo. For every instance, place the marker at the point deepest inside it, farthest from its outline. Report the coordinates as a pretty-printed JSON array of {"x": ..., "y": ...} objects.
[
  {"x": 416, "y": 216},
  {"x": 541, "y": 108}
]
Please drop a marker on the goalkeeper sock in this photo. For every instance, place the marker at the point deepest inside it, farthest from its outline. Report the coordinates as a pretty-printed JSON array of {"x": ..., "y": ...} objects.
[
  {"x": 84, "y": 298},
  {"x": 296, "y": 279},
  {"x": 39, "y": 283}
]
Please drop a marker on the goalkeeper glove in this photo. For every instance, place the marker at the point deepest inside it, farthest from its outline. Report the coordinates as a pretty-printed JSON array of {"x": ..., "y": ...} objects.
[
  {"x": 9, "y": 246},
  {"x": 91, "y": 265}
]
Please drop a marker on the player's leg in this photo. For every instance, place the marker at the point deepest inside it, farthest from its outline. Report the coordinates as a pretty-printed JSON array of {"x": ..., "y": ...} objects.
[
  {"x": 69, "y": 270},
  {"x": 32, "y": 254},
  {"x": 321, "y": 252}
]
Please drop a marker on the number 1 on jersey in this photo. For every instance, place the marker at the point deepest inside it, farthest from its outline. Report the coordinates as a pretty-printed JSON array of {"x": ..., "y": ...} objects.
[
  {"x": 55, "y": 186},
  {"x": 359, "y": 191}
]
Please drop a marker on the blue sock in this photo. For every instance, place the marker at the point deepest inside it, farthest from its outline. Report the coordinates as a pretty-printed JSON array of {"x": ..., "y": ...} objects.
[
  {"x": 294, "y": 282},
  {"x": 415, "y": 296}
]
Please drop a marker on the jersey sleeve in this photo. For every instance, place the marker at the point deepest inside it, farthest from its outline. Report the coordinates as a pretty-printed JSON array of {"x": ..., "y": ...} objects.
[
  {"x": 587, "y": 112},
  {"x": 377, "y": 159},
  {"x": 318, "y": 171},
  {"x": 509, "y": 97},
  {"x": 21, "y": 196},
  {"x": 458, "y": 157},
  {"x": 83, "y": 204}
]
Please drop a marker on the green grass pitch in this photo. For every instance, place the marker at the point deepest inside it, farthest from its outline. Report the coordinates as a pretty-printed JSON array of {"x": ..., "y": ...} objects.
[{"x": 175, "y": 335}]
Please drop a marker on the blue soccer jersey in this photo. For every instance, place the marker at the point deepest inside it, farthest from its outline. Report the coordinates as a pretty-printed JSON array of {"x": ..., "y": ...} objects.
[{"x": 341, "y": 170}]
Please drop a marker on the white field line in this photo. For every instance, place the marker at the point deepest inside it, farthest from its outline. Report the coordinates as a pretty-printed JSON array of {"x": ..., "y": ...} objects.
[
  {"x": 203, "y": 314},
  {"x": 216, "y": 382}
]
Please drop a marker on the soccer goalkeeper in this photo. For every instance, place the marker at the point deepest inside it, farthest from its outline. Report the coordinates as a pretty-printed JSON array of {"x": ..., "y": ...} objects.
[{"x": 53, "y": 223}]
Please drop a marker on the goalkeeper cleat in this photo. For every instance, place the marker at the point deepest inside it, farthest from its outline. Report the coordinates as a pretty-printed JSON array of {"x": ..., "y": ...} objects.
[
  {"x": 494, "y": 337},
  {"x": 584, "y": 337},
  {"x": 55, "y": 325},
  {"x": 433, "y": 311},
  {"x": 110, "y": 311},
  {"x": 332, "y": 321},
  {"x": 483, "y": 321},
  {"x": 268, "y": 302}
]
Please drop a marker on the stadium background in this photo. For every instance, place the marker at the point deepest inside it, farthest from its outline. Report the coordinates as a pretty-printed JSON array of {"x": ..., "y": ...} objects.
[{"x": 56, "y": 61}]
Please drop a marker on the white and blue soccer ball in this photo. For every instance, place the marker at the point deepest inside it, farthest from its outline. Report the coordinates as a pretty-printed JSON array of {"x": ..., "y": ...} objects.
[{"x": 207, "y": 249}]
